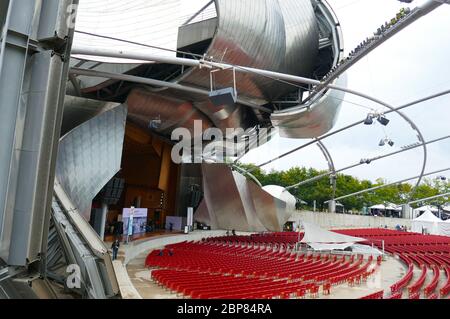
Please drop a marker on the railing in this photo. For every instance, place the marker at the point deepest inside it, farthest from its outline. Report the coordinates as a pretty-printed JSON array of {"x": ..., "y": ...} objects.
[{"x": 205, "y": 13}]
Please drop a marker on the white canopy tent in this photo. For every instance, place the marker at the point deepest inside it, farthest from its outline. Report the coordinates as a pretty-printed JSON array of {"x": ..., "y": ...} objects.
[
  {"x": 431, "y": 208},
  {"x": 320, "y": 239},
  {"x": 444, "y": 228},
  {"x": 383, "y": 208},
  {"x": 427, "y": 222}
]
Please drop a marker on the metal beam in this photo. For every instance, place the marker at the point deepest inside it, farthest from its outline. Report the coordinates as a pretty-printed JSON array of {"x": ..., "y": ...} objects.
[
  {"x": 428, "y": 198},
  {"x": 32, "y": 89},
  {"x": 82, "y": 50},
  {"x": 142, "y": 80},
  {"x": 315, "y": 178},
  {"x": 205, "y": 63},
  {"x": 331, "y": 167},
  {"x": 390, "y": 184}
]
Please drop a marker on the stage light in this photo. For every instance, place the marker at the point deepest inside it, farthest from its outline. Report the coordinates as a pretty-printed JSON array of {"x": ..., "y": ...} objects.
[
  {"x": 382, "y": 143},
  {"x": 369, "y": 120},
  {"x": 391, "y": 143},
  {"x": 383, "y": 120}
]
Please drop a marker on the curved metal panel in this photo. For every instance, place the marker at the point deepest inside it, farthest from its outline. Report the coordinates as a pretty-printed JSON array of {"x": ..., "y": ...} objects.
[
  {"x": 231, "y": 201},
  {"x": 78, "y": 110},
  {"x": 90, "y": 155},
  {"x": 260, "y": 40},
  {"x": 314, "y": 121},
  {"x": 145, "y": 106},
  {"x": 302, "y": 36}
]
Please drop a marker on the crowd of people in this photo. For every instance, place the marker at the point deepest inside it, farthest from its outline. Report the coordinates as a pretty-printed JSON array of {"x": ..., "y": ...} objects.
[{"x": 404, "y": 12}]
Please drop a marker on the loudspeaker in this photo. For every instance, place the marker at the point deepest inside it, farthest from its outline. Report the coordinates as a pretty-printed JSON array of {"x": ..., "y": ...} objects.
[{"x": 221, "y": 97}]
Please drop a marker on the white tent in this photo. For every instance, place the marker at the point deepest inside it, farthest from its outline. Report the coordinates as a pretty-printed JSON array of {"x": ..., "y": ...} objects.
[
  {"x": 426, "y": 222},
  {"x": 379, "y": 207},
  {"x": 444, "y": 228},
  {"x": 320, "y": 239},
  {"x": 431, "y": 208},
  {"x": 391, "y": 206}
]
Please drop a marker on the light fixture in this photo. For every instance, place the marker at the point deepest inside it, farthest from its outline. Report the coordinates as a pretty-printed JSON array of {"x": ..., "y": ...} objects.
[
  {"x": 385, "y": 141},
  {"x": 155, "y": 123},
  {"x": 383, "y": 120},
  {"x": 369, "y": 120},
  {"x": 223, "y": 97}
]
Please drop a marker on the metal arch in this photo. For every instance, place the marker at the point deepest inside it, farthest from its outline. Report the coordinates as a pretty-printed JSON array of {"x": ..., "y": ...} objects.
[
  {"x": 390, "y": 184},
  {"x": 372, "y": 160},
  {"x": 392, "y": 109},
  {"x": 331, "y": 166},
  {"x": 247, "y": 173},
  {"x": 287, "y": 77},
  {"x": 429, "y": 198}
]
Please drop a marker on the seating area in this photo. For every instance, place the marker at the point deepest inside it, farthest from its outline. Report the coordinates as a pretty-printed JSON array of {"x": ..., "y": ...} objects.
[
  {"x": 253, "y": 267},
  {"x": 426, "y": 253},
  {"x": 266, "y": 265}
]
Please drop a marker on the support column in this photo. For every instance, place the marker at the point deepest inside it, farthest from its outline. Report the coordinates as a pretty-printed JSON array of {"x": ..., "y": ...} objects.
[
  {"x": 34, "y": 50},
  {"x": 103, "y": 221},
  {"x": 406, "y": 211},
  {"x": 332, "y": 206}
]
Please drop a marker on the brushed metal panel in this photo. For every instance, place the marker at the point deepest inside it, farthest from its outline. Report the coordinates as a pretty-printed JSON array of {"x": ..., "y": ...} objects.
[
  {"x": 144, "y": 106},
  {"x": 223, "y": 198},
  {"x": 78, "y": 110},
  {"x": 196, "y": 32},
  {"x": 276, "y": 36},
  {"x": 90, "y": 155},
  {"x": 318, "y": 120},
  {"x": 246, "y": 196},
  {"x": 231, "y": 201},
  {"x": 270, "y": 210},
  {"x": 302, "y": 36}
]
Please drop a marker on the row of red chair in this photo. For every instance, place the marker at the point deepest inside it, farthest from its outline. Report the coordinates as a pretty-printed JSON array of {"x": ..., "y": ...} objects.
[
  {"x": 221, "y": 268},
  {"x": 397, "y": 295},
  {"x": 404, "y": 281},
  {"x": 415, "y": 287},
  {"x": 431, "y": 287},
  {"x": 208, "y": 286},
  {"x": 444, "y": 291},
  {"x": 376, "y": 295},
  {"x": 413, "y": 249}
]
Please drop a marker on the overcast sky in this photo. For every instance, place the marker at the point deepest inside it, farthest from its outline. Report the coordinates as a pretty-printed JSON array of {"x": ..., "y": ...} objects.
[{"x": 411, "y": 65}]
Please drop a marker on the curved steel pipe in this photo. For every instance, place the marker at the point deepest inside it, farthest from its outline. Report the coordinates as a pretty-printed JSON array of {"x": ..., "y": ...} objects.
[
  {"x": 247, "y": 173},
  {"x": 330, "y": 163},
  {"x": 390, "y": 184},
  {"x": 370, "y": 160}
]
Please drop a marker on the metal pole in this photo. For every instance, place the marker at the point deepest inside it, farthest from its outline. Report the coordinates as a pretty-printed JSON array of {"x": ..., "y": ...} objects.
[
  {"x": 103, "y": 221},
  {"x": 371, "y": 160},
  {"x": 390, "y": 184},
  {"x": 142, "y": 80},
  {"x": 429, "y": 198},
  {"x": 331, "y": 167}
]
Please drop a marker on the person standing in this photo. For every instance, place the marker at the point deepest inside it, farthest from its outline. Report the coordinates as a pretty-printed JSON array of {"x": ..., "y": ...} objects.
[{"x": 115, "y": 249}]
